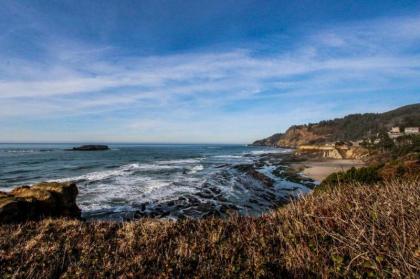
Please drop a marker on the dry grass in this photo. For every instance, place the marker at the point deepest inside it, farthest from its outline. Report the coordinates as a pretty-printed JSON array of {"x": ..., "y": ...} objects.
[{"x": 352, "y": 231}]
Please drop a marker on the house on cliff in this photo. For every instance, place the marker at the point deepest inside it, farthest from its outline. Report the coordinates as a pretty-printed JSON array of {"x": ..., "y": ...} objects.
[
  {"x": 396, "y": 132},
  {"x": 412, "y": 130}
]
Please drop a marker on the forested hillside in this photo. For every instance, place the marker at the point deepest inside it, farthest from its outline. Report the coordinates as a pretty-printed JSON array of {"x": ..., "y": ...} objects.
[{"x": 349, "y": 128}]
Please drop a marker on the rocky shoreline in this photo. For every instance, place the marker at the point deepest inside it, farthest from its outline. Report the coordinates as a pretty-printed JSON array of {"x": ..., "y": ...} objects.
[
  {"x": 260, "y": 178},
  {"x": 59, "y": 199},
  {"x": 210, "y": 201}
]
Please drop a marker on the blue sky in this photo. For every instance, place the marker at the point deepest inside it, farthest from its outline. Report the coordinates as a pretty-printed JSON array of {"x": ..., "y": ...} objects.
[{"x": 199, "y": 71}]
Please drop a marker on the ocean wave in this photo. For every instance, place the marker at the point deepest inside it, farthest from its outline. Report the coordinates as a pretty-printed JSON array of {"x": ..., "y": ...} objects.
[
  {"x": 93, "y": 176},
  {"x": 25, "y": 150},
  {"x": 130, "y": 169},
  {"x": 124, "y": 170},
  {"x": 196, "y": 169},
  {"x": 18, "y": 171},
  {"x": 273, "y": 151},
  {"x": 151, "y": 167},
  {"x": 130, "y": 191},
  {"x": 180, "y": 161},
  {"x": 228, "y": 156}
]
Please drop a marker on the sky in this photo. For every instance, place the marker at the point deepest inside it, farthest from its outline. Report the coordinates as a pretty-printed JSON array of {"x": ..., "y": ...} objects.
[{"x": 199, "y": 71}]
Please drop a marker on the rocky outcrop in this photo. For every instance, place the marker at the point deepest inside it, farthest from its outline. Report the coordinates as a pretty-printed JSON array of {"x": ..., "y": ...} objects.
[
  {"x": 335, "y": 151},
  {"x": 47, "y": 199},
  {"x": 270, "y": 141},
  {"x": 90, "y": 148},
  {"x": 297, "y": 135},
  {"x": 294, "y": 136}
]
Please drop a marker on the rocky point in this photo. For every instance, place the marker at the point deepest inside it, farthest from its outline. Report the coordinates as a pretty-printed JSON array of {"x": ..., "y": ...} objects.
[{"x": 47, "y": 199}]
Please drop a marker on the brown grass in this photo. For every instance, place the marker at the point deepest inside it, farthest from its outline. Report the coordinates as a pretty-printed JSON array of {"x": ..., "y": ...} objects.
[{"x": 350, "y": 231}]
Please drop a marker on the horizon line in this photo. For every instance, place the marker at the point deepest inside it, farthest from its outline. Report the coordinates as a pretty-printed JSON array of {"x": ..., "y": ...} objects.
[{"x": 145, "y": 143}]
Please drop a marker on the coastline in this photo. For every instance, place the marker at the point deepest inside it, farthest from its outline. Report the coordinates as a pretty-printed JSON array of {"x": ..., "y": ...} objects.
[
  {"x": 263, "y": 178},
  {"x": 133, "y": 182},
  {"x": 315, "y": 167},
  {"x": 150, "y": 247},
  {"x": 319, "y": 169}
]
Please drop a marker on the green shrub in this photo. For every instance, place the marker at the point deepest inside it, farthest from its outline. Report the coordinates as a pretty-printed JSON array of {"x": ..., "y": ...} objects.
[
  {"x": 365, "y": 175},
  {"x": 405, "y": 145}
]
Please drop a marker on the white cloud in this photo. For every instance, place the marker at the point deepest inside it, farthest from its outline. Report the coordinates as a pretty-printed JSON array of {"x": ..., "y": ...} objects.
[{"x": 80, "y": 79}]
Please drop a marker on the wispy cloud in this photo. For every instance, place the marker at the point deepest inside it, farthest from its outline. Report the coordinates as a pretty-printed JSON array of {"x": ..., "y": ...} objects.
[{"x": 203, "y": 89}]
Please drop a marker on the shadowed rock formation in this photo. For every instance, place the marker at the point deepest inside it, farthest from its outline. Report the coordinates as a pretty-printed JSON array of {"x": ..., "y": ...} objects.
[{"x": 47, "y": 199}]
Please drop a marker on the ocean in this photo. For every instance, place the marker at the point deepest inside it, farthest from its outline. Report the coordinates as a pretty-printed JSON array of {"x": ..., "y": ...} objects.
[{"x": 153, "y": 180}]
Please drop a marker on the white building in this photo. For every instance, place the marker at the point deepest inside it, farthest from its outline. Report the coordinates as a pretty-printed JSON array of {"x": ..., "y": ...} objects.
[
  {"x": 395, "y": 132},
  {"x": 412, "y": 130}
]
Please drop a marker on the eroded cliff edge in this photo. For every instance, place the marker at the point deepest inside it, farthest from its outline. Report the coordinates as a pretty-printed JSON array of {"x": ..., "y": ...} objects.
[{"x": 47, "y": 199}]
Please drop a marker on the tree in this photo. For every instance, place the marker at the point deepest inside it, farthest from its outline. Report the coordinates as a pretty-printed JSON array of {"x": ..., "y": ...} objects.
[{"x": 385, "y": 142}]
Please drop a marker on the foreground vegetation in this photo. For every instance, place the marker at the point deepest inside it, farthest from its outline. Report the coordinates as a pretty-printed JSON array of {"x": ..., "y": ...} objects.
[{"x": 352, "y": 230}]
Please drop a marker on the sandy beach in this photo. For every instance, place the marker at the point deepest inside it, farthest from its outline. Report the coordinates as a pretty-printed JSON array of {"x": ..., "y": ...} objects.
[{"x": 319, "y": 170}]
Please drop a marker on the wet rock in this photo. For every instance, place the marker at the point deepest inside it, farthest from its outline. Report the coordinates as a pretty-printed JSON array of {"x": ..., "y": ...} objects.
[
  {"x": 39, "y": 201},
  {"x": 294, "y": 176},
  {"x": 251, "y": 171}
]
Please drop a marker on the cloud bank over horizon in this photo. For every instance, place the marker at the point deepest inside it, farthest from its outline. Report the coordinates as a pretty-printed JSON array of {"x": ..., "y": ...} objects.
[{"x": 59, "y": 86}]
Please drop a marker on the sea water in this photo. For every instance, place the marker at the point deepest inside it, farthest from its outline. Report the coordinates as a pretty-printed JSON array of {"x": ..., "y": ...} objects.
[{"x": 153, "y": 180}]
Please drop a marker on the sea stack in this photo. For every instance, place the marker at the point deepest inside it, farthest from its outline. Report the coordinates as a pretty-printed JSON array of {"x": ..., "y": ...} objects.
[{"x": 90, "y": 148}]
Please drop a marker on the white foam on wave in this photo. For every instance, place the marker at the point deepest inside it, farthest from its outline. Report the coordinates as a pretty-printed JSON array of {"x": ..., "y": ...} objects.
[
  {"x": 127, "y": 191},
  {"x": 271, "y": 151},
  {"x": 196, "y": 169},
  {"x": 180, "y": 161},
  {"x": 24, "y": 150},
  {"x": 125, "y": 170},
  {"x": 127, "y": 185},
  {"x": 123, "y": 191},
  {"x": 151, "y": 167},
  {"x": 92, "y": 176},
  {"x": 229, "y": 156}
]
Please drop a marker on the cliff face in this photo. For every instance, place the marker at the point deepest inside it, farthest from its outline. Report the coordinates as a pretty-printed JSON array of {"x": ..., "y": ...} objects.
[
  {"x": 298, "y": 135},
  {"x": 350, "y": 128},
  {"x": 336, "y": 151},
  {"x": 270, "y": 141},
  {"x": 294, "y": 136}
]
